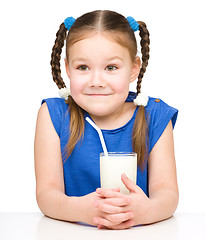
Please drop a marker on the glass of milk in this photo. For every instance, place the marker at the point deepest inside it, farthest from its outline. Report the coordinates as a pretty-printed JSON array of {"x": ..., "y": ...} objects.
[{"x": 112, "y": 167}]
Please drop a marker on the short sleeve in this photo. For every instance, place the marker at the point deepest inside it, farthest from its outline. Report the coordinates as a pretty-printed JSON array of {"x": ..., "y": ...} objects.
[
  {"x": 56, "y": 107},
  {"x": 160, "y": 114}
]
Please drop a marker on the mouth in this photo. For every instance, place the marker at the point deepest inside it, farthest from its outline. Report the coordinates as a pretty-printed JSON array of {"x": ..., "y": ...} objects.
[{"x": 98, "y": 95}]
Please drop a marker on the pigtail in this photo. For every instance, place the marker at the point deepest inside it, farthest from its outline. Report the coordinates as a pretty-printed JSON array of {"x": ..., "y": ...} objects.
[
  {"x": 76, "y": 113},
  {"x": 140, "y": 129},
  {"x": 56, "y": 56},
  {"x": 76, "y": 127},
  {"x": 144, "y": 42}
]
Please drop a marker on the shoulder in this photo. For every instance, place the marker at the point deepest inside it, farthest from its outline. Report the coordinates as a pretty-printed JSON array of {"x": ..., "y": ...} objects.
[
  {"x": 57, "y": 109},
  {"x": 159, "y": 111},
  {"x": 159, "y": 114},
  {"x": 155, "y": 103},
  {"x": 56, "y": 103},
  {"x": 56, "y": 106}
]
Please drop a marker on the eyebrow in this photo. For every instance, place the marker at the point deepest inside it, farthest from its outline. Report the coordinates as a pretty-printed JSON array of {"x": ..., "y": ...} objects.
[
  {"x": 86, "y": 59},
  {"x": 79, "y": 59},
  {"x": 115, "y": 57}
]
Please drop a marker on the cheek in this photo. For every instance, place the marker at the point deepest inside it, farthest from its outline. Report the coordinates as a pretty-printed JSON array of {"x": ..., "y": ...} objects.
[
  {"x": 121, "y": 83},
  {"x": 77, "y": 83},
  {"x": 75, "y": 87}
]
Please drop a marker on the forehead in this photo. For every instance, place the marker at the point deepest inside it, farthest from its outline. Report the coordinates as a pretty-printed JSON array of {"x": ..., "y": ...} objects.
[
  {"x": 98, "y": 43},
  {"x": 111, "y": 35}
]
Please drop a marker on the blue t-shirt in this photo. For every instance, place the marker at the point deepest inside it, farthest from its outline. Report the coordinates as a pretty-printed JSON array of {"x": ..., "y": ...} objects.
[{"x": 82, "y": 168}]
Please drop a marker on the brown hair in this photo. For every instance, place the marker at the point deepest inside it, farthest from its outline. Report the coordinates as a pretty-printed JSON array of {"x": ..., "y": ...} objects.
[{"x": 119, "y": 27}]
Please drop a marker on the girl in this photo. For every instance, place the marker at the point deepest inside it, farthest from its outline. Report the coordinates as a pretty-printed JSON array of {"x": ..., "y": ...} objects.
[{"x": 101, "y": 61}]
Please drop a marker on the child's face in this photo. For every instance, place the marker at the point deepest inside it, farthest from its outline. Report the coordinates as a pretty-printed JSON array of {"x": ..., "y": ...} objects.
[{"x": 100, "y": 71}]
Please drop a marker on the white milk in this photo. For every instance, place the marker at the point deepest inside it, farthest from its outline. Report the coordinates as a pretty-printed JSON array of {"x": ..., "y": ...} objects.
[{"x": 113, "y": 166}]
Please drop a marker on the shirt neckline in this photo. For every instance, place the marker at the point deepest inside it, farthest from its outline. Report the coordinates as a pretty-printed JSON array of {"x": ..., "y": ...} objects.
[{"x": 119, "y": 128}]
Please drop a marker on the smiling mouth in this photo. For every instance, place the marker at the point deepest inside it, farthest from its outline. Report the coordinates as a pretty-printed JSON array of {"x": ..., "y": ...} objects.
[{"x": 98, "y": 95}]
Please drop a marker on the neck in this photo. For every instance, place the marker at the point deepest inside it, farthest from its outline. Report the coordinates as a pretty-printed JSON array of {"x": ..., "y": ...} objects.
[{"x": 117, "y": 119}]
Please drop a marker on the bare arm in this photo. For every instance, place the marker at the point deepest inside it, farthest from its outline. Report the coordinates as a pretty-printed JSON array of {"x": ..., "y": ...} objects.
[
  {"x": 50, "y": 194},
  {"x": 163, "y": 188}
]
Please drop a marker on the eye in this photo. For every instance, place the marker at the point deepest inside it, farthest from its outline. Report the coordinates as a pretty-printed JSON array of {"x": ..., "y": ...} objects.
[
  {"x": 111, "y": 68},
  {"x": 83, "y": 68}
]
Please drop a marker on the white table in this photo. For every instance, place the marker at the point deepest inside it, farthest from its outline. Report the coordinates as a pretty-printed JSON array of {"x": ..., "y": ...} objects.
[{"x": 31, "y": 226}]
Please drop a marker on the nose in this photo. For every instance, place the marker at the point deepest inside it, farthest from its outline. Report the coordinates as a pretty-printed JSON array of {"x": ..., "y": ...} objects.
[{"x": 97, "y": 80}]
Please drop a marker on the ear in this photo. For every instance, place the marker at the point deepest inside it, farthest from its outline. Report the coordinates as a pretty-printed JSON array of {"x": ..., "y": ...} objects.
[
  {"x": 135, "y": 69},
  {"x": 67, "y": 67}
]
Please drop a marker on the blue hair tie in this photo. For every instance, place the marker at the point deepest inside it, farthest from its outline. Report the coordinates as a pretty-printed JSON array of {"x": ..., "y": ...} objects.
[
  {"x": 133, "y": 23},
  {"x": 68, "y": 22}
]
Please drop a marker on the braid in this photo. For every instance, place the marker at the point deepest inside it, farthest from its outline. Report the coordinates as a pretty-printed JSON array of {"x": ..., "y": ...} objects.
[
  {"x": 140, "y": 128},
  {"x": 56, "y": 56},
  {"x": 145, "y": 41}
]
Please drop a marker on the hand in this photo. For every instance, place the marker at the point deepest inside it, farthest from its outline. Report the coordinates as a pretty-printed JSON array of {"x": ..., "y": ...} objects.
[
  {"x": 89, "y": 209},
  {"x": 140, "y": 204},
  {"x": 112, "y": 206},
  {"x": 122, "y": 211}
]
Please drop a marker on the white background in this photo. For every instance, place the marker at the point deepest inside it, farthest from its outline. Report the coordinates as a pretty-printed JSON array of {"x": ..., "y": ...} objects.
[{"x": 176, "y": 74}]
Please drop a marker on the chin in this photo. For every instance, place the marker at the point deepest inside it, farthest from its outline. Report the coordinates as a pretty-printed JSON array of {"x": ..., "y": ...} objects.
[{"x": 98, "y": 112}]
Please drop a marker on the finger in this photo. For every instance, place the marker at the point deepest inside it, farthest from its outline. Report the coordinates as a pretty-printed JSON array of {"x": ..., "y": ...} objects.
[
  {"x": 112, "y": 205},
  {"x": 107, "y": 193},
  {"x": 113, "y": 219},
  {"x": 130, "y": 185},
  {"x": 107, "y": 208},
  {"x": 123, "y": 225},
  {"x": 116, "y": 189},
  {"x": 118, "y": 201},
  {"x": 119, "y": 217},
  {"x": 101, "y": 227},
  {"x": 102, "y": 222}
]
